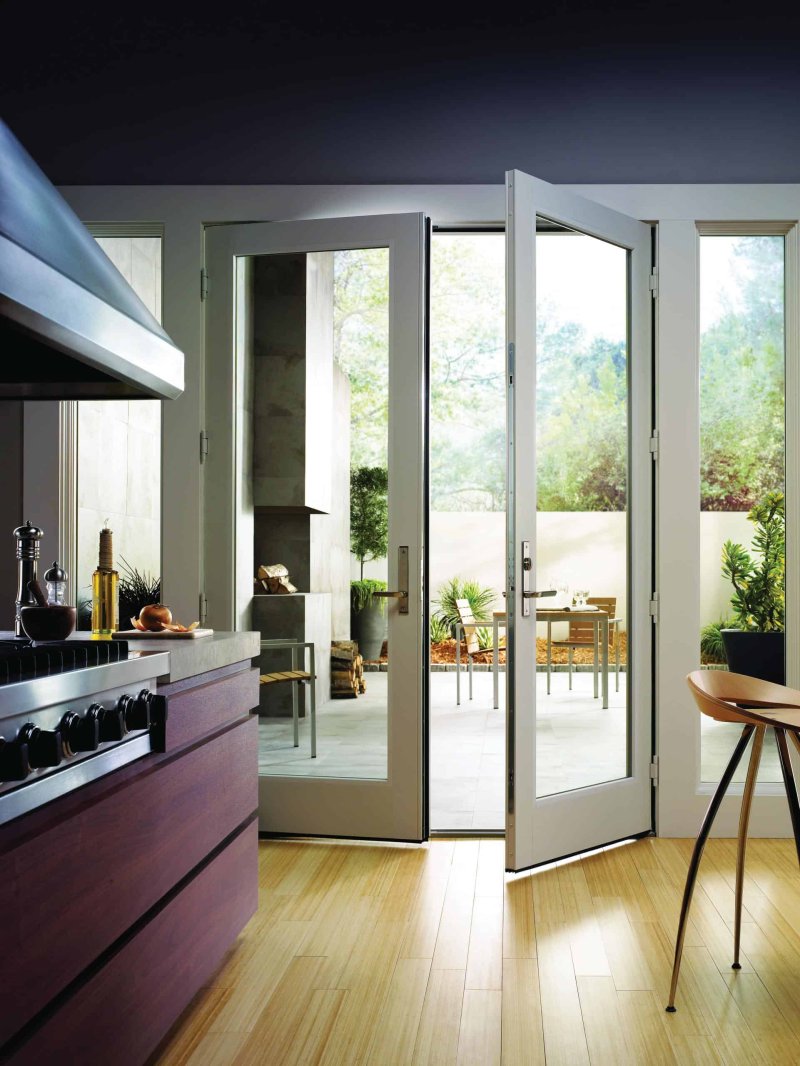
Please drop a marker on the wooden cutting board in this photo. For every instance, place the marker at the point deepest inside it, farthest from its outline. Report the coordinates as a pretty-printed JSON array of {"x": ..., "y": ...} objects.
[{"x": 135, "y": 634}]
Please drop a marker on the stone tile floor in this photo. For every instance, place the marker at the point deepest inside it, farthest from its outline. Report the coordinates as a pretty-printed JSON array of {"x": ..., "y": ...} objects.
[{"x": 578, "y": 744}]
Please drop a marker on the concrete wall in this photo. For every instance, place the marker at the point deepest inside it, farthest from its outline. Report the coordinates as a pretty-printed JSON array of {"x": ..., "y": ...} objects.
[{"x": 119, "y": 446}]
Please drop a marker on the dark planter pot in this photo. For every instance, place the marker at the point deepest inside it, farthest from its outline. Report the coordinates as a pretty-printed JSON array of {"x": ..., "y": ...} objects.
[
  {"x": 369, "y": 628},
  {"x": 759, "y": 655}
]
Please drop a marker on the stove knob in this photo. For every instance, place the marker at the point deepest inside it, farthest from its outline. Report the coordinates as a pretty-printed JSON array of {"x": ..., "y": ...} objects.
[
  {"x": 158, "y": 706},
  {"x": 44, "y": 745},
  {"x": 79, "y": 733},
  {"x": 111, "y": 720},
  {"x": 136, "y": 710},
  {"x": 14, "y": 764}
]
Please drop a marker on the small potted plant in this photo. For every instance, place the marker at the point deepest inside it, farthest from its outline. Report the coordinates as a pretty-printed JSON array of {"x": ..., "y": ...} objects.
[
  {"x": 369, "y": 540},
  {"x": 754, "y": 644}
]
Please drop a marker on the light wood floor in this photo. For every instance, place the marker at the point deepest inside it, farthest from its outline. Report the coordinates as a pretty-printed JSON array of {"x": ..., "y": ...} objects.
[{"x": 374, "y": 954}]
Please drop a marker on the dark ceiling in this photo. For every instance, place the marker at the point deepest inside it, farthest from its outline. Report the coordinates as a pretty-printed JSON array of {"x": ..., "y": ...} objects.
[{"x": 105, "y": 93}]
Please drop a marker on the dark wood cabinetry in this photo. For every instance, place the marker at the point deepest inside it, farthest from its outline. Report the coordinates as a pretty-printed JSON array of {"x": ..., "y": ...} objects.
[{"x": 119, "y": 900}]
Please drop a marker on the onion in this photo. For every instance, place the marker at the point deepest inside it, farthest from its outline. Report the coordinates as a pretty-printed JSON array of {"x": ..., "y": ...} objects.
[{"x": 155, "y": 616}]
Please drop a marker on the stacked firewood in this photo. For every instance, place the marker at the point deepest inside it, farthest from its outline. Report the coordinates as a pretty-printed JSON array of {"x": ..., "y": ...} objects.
[
  {"x": 347, "y": 670},
  {"x": 275, "y": 579}
]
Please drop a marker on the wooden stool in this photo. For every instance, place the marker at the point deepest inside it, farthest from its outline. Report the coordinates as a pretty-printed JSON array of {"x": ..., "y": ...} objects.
[
  {"x": 296, "y": 678},
  {"x": 757, "y": 706}
]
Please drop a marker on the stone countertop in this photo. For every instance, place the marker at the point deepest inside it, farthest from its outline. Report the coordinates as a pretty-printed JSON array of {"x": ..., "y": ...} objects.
[{"x": 187, "y": 658}]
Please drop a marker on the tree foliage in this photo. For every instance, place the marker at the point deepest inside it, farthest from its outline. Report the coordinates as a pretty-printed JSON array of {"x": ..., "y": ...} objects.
[
  {"x": 582, "y": 383},
  {"x": 369, "y": 513},
  {"x": 742, "y": 382}
]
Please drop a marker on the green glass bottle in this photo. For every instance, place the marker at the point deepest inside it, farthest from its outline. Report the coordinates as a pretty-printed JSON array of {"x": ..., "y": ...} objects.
[{"x": 105, "y": 590}]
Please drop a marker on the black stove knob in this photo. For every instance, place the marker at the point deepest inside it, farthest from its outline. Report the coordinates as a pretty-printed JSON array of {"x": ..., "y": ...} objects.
[
  {"x": 136, "y": 710},
  {"x": 14, "y": 764},
  {"x": 79, "y": 733},
  {"x": 158, "y": 708},
  {"x": 44, "y": 745},
  {"x": 111, "y": 721}
]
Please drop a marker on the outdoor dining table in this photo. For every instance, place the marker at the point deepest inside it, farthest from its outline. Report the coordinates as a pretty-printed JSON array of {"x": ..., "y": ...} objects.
[{"x": 599, "y": 619}]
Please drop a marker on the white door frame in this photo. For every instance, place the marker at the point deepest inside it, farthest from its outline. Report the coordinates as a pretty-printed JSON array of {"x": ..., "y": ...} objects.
[
  {"x": 384, "y": 809},
  {"x": 682, "y": 797},
  {"x": 542, "y": 829}
]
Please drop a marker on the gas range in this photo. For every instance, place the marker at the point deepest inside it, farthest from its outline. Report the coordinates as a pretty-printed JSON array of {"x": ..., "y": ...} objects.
[{"x": 72, "y": 712}]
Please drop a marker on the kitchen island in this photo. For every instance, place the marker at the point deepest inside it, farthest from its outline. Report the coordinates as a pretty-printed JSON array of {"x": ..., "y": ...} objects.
[{"x": 121, "y": 898}]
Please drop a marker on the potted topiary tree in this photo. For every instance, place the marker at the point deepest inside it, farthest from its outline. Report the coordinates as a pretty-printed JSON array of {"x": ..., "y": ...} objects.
[
  {"x": 754, "y": 644},
  {"x": 369, "y": 540}
]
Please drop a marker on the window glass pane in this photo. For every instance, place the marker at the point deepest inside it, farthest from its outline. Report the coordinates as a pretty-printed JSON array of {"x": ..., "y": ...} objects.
[
  {"x": 742, "y": 443},
  {"x": 119, "y": 453}
]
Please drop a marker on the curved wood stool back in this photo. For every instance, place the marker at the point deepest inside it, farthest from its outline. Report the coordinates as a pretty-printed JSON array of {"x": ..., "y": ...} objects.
[{"x": 757, "y": 706}]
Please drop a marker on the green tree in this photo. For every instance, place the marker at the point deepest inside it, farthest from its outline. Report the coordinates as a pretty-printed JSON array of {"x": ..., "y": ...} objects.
[{"x": 369, "y": 513}]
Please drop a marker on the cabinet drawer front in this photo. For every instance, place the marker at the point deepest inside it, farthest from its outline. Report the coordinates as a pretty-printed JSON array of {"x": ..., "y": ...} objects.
[
  {"x": 131, "y": 1002},
  {"x": 68, "y": 893},
  {"x": 196, "y": 711}
]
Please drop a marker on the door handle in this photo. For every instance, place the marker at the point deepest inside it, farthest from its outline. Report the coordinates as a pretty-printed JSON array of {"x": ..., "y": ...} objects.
[
  {"x": 527, "y": 591},
  {"x": 402, "y": 579}
]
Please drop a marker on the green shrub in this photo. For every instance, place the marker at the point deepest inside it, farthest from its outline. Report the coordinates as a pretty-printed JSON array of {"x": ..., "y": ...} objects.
[
  {"x": 369, "y": 513},
  {"x": 361, "y": 593},
  {"x": 758, "y": 579},
  {"x": 438, "y": 628},
  {"x": 480, "y": 599},
  {"x": 712, "y": 647}
]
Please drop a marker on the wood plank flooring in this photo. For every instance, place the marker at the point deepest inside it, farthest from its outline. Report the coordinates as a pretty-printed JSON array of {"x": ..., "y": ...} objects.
[{"x": 385, "y": 955}]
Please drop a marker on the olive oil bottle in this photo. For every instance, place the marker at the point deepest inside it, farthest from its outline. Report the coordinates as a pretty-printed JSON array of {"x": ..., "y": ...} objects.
[{"x": 105, "y": 590}]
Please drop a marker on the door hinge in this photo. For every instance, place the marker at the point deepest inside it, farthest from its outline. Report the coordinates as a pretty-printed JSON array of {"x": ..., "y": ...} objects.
[
  {"x": 202, "y": 609},
  {"x": 654, "y": 444},
  {"x": 203, "y": 284},
  {"x": 203, "y": 445},
  {"x": 654, "y": 771},
  {"x": 654, "y": 606},
  {"x": 511, "y": 363},
  {"x": 653, "y": 284}
]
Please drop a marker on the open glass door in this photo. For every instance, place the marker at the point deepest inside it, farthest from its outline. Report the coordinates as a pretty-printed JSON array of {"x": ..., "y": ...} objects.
[
  {"x": 578, "y": 529},
  {"x": 315, "y": 379}
]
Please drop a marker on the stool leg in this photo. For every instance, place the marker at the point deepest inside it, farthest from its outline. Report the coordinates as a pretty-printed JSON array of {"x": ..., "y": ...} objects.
[
  {"x": 789, "y": 785},
  {"x": 569, "y": 667},
  {"x": 313, "y": 688},
  {"x": 697, "y": 854},
  {"x": 458, "y": 666},
  {"x": 744, "y": 821}
]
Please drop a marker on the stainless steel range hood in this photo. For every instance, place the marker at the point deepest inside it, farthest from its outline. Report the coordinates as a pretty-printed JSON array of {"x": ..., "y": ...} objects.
[{"x": 70, "y": 325}]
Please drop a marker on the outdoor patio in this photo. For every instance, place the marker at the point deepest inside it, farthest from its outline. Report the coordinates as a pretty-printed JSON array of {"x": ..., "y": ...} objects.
[{"x": 579, "y": 743}]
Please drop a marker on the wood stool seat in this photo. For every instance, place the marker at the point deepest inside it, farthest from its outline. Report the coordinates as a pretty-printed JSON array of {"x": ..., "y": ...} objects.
[
  {"x": 757, "y": 706},
  {"x": 286, "y": 675}
]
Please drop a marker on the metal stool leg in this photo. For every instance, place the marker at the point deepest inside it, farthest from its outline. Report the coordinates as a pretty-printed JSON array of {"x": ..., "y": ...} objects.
[
  {"x": 744, "y": 821},
  {"x": 549, "y": 653},
  {"x": 789, "y": 785},
  {"x": 697, "y": 854},
  {"x": 596, "y": 655},
  {"x": 570, "y": 654}
]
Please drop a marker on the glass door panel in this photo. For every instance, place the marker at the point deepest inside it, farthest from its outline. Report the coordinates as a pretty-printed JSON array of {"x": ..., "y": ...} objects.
[
  {"x": 328, "y": 374},
  {"x": 579, "y": 487},
  {"x": 583, "y": 711}
]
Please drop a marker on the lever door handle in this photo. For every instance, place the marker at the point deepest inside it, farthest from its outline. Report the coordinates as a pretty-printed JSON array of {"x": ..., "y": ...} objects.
[
  {"x": 538, "y": 595},
  {"x": 402, "y": 579}
]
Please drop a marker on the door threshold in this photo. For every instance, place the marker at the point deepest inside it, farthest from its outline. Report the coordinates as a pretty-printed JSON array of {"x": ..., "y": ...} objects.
[{"x": 450, "y": 833}]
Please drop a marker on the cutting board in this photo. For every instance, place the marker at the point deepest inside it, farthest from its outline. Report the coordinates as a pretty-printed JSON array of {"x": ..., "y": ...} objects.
[{"x": 135, "y": 634}]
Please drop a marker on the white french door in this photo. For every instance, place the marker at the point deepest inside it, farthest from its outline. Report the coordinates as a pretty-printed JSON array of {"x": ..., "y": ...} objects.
[
  {"x": 578, "y": 758},
  {"x": 315, "y": 367}
]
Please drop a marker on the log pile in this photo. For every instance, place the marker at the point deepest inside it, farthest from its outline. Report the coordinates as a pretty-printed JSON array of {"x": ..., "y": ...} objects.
[
  {"x": 275, "y": 579},
  {"x": 347, "y": 671}
]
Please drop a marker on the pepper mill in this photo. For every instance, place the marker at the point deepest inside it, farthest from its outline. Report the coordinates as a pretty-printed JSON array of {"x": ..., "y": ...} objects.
[{"x": 28, "y": 538}]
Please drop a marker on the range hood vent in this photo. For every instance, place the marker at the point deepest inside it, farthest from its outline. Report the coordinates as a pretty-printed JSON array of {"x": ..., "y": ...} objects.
[{"x": 71, "y": 327}]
